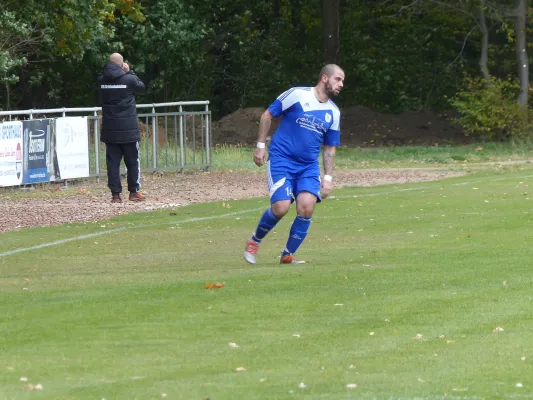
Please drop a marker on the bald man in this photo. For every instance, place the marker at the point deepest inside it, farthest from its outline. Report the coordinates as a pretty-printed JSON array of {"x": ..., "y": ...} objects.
[
  {"x": 311, "y": 122},
  {"x": 118, "y": 86}
]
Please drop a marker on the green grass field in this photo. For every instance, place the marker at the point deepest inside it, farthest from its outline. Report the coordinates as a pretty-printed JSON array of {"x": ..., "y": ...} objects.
[{"x": 402, "y": 295}]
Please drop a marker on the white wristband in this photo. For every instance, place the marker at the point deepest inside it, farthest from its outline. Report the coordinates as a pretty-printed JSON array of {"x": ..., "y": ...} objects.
[
  {"x": 328, "y": 178},
  {"x": 260, "y": 145}
]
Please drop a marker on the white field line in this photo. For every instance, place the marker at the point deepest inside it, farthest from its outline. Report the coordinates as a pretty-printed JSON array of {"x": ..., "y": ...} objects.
[
  {"x": 90, "y": 235},
  {"x": 422, "y": 188}
]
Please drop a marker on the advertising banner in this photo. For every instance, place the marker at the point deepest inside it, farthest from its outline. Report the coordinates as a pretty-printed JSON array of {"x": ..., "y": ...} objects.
[
  {"x": 11, "y": 145},
  {"x": 71, "y": 147},
  {"x": 37, "y": 155}
]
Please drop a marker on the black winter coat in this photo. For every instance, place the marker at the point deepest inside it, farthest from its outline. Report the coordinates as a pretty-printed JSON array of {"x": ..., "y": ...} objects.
[{"x": 117, "y": 88}]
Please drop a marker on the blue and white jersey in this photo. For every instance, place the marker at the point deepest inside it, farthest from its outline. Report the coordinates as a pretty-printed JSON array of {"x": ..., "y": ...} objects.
[{"x": 307, "y": 124}]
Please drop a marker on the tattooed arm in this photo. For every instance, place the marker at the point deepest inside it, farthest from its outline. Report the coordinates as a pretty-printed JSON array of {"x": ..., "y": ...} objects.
[{"x": 328, "y": 154}]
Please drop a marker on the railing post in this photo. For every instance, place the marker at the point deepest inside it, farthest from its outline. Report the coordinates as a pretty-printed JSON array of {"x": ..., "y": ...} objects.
[
  {"x": 154, "y": 138},
  {"x": 181, "y": 138},
  {"x": 207, "y": 136},
  {"x": 96, "y": 147}
]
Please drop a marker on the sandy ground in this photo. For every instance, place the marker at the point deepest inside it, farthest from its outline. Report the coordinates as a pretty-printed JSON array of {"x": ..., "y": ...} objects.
[{"x": 90, "y": 200}]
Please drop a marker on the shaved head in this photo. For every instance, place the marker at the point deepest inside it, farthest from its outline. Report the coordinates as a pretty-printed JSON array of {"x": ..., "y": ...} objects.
[
  {"x": 329, "y": 70},
  {"x": 116, "y": 58}
]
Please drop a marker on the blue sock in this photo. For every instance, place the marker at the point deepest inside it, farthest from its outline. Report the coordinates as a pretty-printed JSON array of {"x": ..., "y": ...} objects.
[
  {"x": 299, "y": 230},
  {"x": 266, "y": 223}
]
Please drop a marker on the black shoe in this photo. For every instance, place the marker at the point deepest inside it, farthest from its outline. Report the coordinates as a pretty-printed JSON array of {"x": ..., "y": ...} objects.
[{"x": 115, "y": 198}]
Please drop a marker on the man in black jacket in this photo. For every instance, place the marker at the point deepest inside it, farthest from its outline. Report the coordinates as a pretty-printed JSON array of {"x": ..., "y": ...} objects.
[{"x": 120, "y": 125}]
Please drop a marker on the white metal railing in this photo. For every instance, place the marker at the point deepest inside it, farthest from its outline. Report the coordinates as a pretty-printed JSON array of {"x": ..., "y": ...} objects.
[{"x": 181, "y": 135}]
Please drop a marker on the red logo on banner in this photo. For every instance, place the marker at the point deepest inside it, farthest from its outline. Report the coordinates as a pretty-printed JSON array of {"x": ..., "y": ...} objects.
[
  {"x": 18, "y": 155},
  {"x": 18, "y": 160}
]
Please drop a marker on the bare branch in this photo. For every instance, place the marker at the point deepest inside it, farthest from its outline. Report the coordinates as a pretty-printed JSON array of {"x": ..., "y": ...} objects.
[
  {"x": 508, "y": 12},
  {"x": 441, "y": 3},
  {"x": 463, "y": 48},
  {"x": 407, "y": 6}
]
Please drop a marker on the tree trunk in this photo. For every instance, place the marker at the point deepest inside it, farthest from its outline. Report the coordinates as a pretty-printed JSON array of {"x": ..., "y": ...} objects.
[
  {"x": 484, "y": 59},
  {"x": 521, "y": 52},
  {"x": 330, "y": 30}
]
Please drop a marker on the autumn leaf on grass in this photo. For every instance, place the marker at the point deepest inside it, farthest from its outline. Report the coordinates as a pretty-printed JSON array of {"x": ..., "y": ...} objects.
[{"x": 216, "y": 285}]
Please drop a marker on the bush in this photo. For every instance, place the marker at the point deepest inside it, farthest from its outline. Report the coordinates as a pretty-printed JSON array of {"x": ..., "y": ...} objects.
[{"x": 489, "y": 109}]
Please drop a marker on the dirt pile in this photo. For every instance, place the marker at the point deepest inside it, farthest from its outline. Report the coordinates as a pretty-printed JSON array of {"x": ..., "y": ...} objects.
[{"x": 360, "y": 126}]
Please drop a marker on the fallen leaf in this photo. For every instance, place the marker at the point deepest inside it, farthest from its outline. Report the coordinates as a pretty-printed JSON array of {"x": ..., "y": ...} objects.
[
  {"x": 418, "y": 336},
  {"x": 504, "y": 283},
  {"x": 296, "y": 335},
  {"x": 421, "y": 380},
  {"x": 240, "y": 369},
  {"x": 216, "y": 285}
]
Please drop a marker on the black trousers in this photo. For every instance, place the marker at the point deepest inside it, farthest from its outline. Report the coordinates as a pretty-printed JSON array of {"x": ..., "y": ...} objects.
[{"x": 113, "y": 154}]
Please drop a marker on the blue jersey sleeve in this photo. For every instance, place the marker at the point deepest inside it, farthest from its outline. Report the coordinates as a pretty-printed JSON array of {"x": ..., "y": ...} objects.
[
  {"x": 332, "y": 138},
  {"x": 333, "y": 135},
  {"x": 283, "y": 102}
]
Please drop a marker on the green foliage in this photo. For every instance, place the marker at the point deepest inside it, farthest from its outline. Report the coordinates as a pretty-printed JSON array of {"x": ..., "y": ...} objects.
[
  {"x": 490, "y": 110},
  {"x": 13, "y": 34},
  {"x": 239, "y": 53}
]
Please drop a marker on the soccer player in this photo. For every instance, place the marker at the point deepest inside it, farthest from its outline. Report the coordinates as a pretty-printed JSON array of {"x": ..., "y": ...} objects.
[{"x": 310, "y": 121}]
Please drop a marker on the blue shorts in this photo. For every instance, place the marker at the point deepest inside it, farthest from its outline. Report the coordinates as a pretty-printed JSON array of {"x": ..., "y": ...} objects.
[{"x": 286, "y": 180}]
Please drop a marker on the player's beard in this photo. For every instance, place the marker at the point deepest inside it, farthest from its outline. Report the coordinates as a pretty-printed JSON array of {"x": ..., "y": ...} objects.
[{"x": 330, "y": 92}]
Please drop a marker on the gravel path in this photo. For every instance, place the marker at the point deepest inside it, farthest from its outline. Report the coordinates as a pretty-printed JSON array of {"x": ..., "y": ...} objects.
[{"x": 89, "y": 201}]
